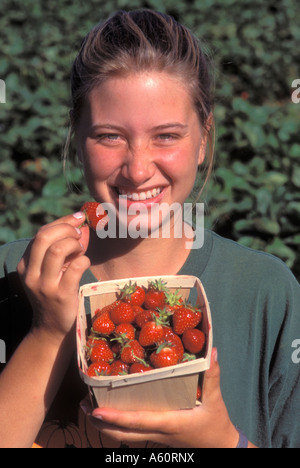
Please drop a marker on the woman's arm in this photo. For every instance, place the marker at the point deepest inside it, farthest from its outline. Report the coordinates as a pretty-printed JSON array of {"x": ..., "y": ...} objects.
[{"x": 50, "y": 270}]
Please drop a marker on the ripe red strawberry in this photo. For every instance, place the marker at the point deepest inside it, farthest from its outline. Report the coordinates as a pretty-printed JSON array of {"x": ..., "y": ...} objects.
[
  {"x": 101, "y": 352},
  {"x": 198, "y": 397},
  {"x": 166, "y": 355},
  {"x": 137, "y": 310},
  {"x": 103, "y": 324},
  {"x": 193, "y": 340},
  {"x": 106, "y": 308},
  {"x": 139, "y": 367},
  {"x": 99, "y": 368},
  {"x": 186, "y": 317},
  {"x": 145, "y": 316},
  {"x": 173, "y": 301},
  {"x": 151, "y": 333},
  {"x": 155, "y": 295},
  {"x": 125, "y": 331},
  {"x": 91, "y": 341},
  {"x": 119, "y": 368},
  {"x": 122, "y": 313},
  {"x": 174, "y": 340},
  {"x": 132, "y": 352},
  {"x": 95, "y": 216},
  {"x": 133, "y": 294}
]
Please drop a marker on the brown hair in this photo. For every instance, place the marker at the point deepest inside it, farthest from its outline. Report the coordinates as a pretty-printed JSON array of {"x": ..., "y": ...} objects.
[{"x": 143, "y": 40}]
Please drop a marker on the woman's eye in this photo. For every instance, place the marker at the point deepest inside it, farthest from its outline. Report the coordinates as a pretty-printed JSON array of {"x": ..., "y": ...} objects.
[
  {"x": 166, "y": 137},
  {"x": 108, "y": 137}
]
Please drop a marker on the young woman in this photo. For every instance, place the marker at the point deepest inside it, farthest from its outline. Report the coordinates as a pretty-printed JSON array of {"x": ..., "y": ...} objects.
[{"x": 142, "y": 120}]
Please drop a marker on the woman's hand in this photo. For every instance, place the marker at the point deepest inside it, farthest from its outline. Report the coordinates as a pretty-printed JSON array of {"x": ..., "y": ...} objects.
[
  {"x": 205, "y": 426},
  {"x": 50, "y": 271}
]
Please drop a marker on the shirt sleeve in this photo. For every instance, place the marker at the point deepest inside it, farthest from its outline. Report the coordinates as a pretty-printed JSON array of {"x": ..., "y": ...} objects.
[
  {"x": 15, "y": 309},
  {"x": 284, "y": 378}
]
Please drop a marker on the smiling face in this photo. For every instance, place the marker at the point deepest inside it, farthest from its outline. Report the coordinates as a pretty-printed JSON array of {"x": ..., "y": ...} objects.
[{"x": 140, "y": 141}]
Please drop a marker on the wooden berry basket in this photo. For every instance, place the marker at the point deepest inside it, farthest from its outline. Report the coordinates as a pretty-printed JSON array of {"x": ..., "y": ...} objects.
[{"x": 163, "y": 389}]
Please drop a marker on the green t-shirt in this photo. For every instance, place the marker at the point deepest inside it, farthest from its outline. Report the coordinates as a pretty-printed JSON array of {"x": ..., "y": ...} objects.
[{"x": 255, "y": 307}]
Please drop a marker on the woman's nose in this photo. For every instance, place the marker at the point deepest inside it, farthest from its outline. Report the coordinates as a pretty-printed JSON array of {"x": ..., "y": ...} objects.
[{"x": 138, "y": 166}]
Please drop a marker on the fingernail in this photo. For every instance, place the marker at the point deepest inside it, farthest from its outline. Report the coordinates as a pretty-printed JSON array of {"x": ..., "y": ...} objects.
[
  {"x": 78, "y": 215},
  {"x": 97, "y": 415}
]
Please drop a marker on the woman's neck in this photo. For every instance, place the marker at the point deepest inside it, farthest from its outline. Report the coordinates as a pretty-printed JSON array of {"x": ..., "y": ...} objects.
[{"x": 127, "y": 258}]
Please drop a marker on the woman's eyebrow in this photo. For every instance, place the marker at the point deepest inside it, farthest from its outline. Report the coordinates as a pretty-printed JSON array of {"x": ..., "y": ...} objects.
[
  {"x": 166, "y": 126},
  {"x": 171, "y": 125}
]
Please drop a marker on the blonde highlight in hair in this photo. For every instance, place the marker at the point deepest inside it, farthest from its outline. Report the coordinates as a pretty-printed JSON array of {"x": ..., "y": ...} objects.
[{"x": 138, "y": 41}]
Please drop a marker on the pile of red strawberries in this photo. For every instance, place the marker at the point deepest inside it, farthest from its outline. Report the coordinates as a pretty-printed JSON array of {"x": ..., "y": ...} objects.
[{"x": 145, "y": 329}]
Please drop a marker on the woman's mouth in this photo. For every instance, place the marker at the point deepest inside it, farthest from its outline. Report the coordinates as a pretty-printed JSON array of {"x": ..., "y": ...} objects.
[{"x": 141, "y": 195}]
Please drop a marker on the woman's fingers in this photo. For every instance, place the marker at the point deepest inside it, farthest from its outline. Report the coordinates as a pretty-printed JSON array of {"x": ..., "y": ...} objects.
[
  {"x": 73, "y": 274},
  {"x": 58, "y": 257},
  {"x": 46, "y": 236}
]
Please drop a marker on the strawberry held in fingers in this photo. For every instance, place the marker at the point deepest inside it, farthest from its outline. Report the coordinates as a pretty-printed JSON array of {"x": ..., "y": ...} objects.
[{"x": 95, "y": 216}]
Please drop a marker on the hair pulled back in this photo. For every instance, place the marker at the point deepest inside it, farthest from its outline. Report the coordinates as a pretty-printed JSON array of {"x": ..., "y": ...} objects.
[{"x": 138, "y": 41}]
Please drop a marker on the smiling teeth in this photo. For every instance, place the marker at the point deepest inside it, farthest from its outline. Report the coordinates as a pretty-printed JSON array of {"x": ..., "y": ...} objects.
[{"x": 141, "y": 195}]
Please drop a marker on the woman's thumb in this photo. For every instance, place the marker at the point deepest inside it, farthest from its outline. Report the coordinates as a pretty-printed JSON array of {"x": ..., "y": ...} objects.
[{"x": 211, "y": 383}]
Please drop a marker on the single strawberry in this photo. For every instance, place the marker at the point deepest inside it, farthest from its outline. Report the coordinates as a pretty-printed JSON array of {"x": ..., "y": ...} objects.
[
  {"x": 155, "y": 295},
  {"x": 186, "y": 317},
  {"x": 145, "y": 316},
  {"x": 132, "y": 352},
  {"x": 174, "y": 301},
  {"x": 133, "y": 294},
  {"x": 103, "y": 324},
  {"x": 97, "y": 369},
  {"x": 106, "y": 308},
  {"x": 193, "y": 340},
  {"x": 95, "y": 216},
  {"x": 139, "y": 367},
  {"x": 91, "y": 341},
  {"x": 166, "y": 355},
  {"x": 119, "y": 368},
  {"x": 101, "y": 351},
  {"x": 174, "y": 340},
  {"x": 122, "y": 313},
  {"x": 151, "y": 333},
  {"x": 126, "y": 331},
  {"x": 137, "y": 310}
]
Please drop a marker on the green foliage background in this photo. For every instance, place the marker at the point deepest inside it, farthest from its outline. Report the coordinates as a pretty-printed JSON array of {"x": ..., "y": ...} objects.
[{"x": 253, "y": 196}]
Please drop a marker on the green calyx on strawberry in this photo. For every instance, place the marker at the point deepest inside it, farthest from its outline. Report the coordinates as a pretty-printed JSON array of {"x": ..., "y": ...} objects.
[
  {"x": 156, "y": 295},
  {"x": 166, "y": 355},
  {"x": 133, "y": 294}
]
